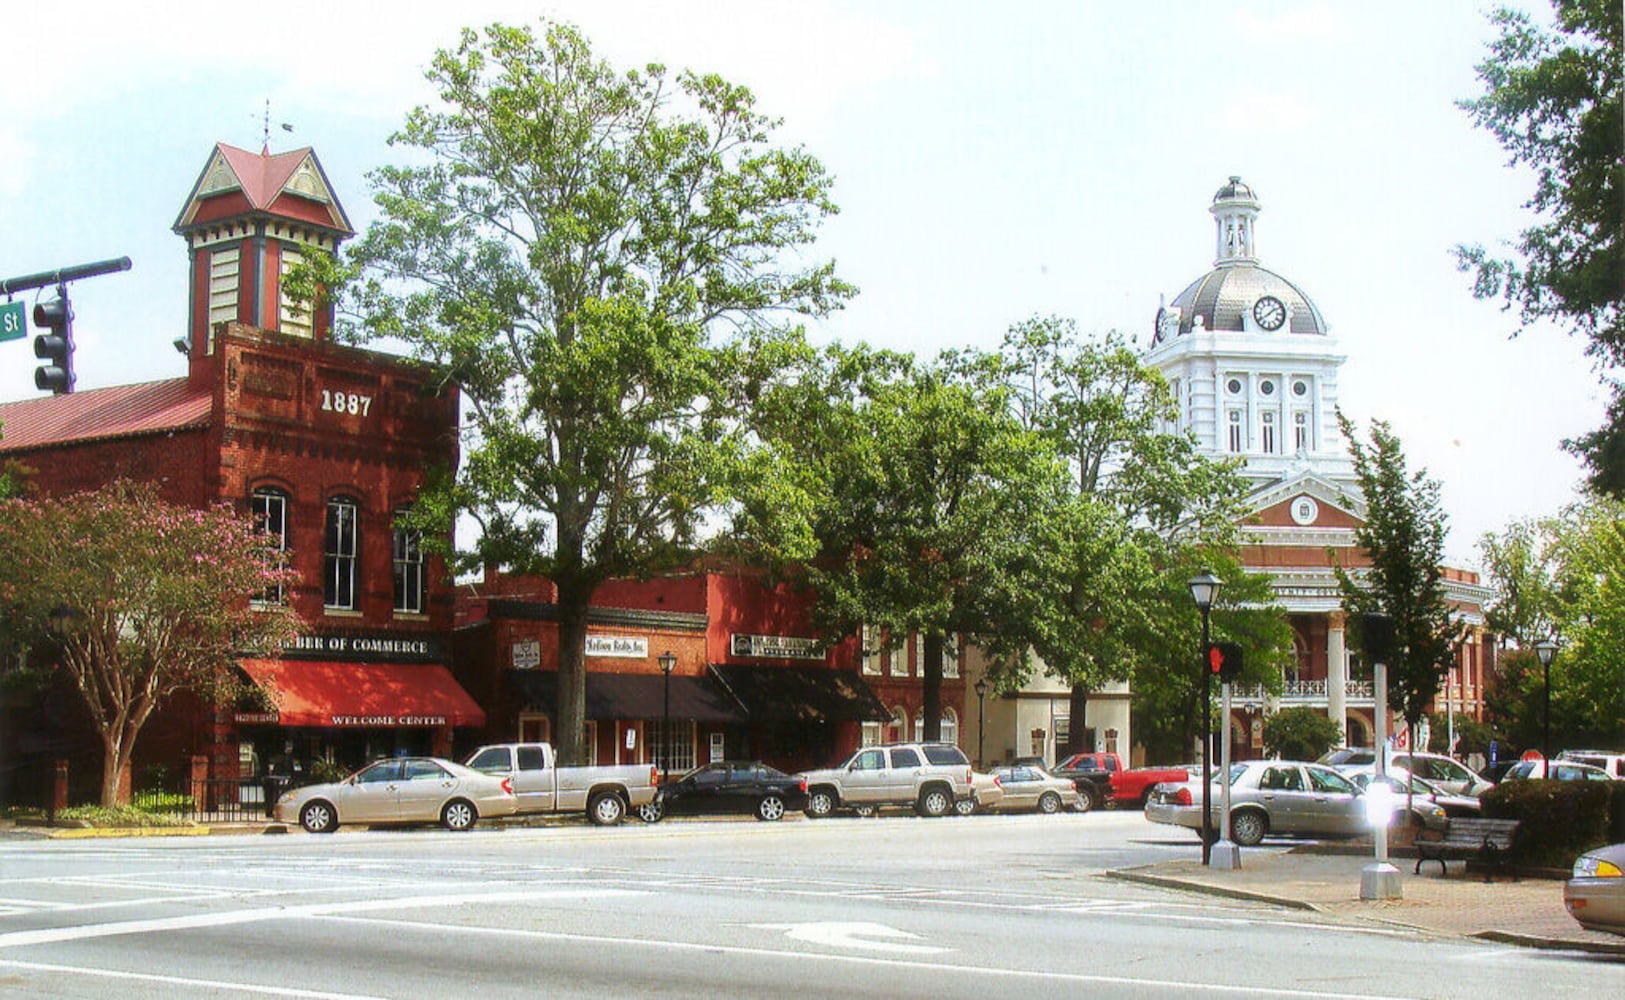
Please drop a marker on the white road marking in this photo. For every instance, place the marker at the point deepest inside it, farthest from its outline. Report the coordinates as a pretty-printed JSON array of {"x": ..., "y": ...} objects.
[
  {"x": 54, "y": 935},
  {"x": 802, "y": 957},
  {"x": 855, "y": 934},
  {"x": 212, "y": 984}
]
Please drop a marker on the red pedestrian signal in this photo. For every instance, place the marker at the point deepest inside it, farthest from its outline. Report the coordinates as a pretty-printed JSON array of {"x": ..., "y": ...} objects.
[{"x": 1224, "y": 660}]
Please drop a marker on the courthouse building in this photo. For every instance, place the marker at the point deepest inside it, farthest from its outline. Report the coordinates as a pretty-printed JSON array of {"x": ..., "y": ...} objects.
[{"x": 1253, "y": 366}]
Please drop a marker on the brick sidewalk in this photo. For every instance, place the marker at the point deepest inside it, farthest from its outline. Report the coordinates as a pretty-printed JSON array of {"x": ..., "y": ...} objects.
[{"x": 1523, "y": 910}]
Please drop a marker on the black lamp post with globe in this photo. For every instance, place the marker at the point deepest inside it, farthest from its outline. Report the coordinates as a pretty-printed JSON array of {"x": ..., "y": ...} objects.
[{"x": 1204, "y": 591}]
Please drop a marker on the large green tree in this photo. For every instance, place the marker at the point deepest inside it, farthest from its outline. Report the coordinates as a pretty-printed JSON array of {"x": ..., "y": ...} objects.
[
  {"x": 1552, "y": 98},
  {"x": 1143, "y": 506},
  {"x": 156, "y": 598},
  {"x": 585, "y": 252},
  {"x": 1403, "y": 536}
]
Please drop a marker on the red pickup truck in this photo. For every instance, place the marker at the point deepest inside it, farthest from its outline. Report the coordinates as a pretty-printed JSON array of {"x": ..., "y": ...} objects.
[{"x": 1102, "y": 779}]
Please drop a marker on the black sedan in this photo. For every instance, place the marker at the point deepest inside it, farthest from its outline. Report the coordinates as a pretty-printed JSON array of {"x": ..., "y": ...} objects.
[{"x": 731, "y": 786}]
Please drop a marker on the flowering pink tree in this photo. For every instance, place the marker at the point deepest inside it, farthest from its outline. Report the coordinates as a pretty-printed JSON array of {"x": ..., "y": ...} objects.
[{"x": 155, "y": 596}]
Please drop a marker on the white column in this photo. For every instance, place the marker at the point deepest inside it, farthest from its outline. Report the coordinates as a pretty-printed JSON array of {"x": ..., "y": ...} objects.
[{"x": 1337, "y": 673}]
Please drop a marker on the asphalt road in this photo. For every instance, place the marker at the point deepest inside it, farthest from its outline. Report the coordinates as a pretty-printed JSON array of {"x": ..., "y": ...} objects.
[{"x": 888, "y": 908}]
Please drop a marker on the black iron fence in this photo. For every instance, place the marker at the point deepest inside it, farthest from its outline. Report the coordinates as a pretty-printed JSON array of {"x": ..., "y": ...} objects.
[{"x": 214, "y": 800}]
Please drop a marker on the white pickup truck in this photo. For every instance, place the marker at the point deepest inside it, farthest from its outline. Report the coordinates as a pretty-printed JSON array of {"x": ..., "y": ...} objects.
[{"x": 604, "y": 793}]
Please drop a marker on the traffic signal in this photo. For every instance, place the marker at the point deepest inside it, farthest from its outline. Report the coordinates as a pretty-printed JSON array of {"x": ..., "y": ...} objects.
[
  {"x": 1224, "y": 660},
  {"x": 1377, "y": 638},
  {"x": 55, "y": 343}
]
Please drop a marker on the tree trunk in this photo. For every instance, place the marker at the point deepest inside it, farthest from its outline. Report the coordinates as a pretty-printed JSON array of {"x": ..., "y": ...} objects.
[
  {"x": 1076, "y": 728},
  {"x": 932, "y": 686},
  {"x": 570, "y": 715},
  {"x": 115, "y": 775}
]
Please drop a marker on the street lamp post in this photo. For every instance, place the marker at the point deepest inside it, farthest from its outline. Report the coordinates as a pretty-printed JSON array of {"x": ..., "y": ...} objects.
[
  {"x": 981, "y": 715},
  {"x": 1204, "y": 591},
  {"x": 1546, "y": 649},
  {"x": 667, "y": 661}
]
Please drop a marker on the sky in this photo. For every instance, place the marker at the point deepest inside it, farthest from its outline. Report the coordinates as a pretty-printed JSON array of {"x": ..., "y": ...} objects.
[{"x": 1053, "y": 158}]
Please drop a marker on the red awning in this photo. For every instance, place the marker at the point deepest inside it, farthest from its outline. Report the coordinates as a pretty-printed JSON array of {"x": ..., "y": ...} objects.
[{"x": 360, "y": 695}]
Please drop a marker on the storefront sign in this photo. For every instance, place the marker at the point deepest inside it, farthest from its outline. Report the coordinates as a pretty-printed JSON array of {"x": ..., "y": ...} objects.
[
  {"x": 370, "y": 647},
  {"x": 387, "y": 720},
  {"x": 623, "y": 646},
  {"x": 527, "y": 654},
  {"x": 782, "y": 647},
  {"x": 256, "y": 718}
]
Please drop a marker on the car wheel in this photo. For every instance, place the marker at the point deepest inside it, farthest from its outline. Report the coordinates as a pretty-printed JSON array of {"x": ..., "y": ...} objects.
[
  {"x": 606, "y": 809},
  {"x": 965, "y": 807},
  {"x": 934, "y": 802},
  {"x": 651, "y": 812},
  {"x": 1049, "y": 803},
  {"x": 1084, "y": 801},
  {"x": 318, "y": 817},
  {"x": 1248, "y": 828},
  {"x": 459, "y": 815},
  {"x": 770, "y": 809},
  {"x": 820, "y": 803}
]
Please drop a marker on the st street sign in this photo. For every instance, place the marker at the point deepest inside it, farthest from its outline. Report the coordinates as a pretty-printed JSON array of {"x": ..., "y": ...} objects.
[{"x": 13, "y": 321}]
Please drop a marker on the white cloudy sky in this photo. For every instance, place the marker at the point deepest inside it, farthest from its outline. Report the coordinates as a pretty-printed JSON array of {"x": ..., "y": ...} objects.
[{"x": 991, "y": 161}]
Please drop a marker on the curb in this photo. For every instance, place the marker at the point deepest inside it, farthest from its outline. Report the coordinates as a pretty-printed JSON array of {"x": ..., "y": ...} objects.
[
  {"x": 1550, "y": 944},
  {"x": 99, "y": 833},
  {"x": 1165, "y": 882}
]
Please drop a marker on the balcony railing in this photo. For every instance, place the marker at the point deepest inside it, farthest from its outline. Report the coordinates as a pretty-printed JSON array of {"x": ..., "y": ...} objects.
[{"x": 1304, "y": 690}]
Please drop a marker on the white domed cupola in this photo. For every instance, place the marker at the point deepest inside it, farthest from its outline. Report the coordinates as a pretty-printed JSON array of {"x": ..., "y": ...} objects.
[{"x": 1235, "y": 211}]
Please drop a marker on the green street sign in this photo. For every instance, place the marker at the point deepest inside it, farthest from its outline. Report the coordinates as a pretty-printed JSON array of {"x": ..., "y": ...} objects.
[{"x": 13, "y": 321}]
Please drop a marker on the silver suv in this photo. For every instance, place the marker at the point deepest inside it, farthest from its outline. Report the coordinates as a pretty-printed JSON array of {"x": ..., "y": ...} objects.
[{"x": 928, "y": 776}]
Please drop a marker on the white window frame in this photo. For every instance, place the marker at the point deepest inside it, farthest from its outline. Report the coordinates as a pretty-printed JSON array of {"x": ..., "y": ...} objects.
[
  {"x": 1236, "y": 431},
  {"x": 268, "y": 510},
  {"x": 407, "y": 562},
  {"x": 341, "y": 555},
  {"x": 870, "y": 651}
]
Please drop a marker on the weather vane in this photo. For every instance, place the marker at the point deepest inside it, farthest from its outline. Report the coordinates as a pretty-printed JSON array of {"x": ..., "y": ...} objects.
[{"x": 286, "y": 127}]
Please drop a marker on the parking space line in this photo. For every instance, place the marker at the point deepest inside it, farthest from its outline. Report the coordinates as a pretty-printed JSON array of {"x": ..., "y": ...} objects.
[{"x": 211, "y": 984}]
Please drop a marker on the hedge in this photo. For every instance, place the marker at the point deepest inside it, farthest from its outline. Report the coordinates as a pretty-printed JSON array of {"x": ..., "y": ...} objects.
[{"x": 1558, "y": 820}]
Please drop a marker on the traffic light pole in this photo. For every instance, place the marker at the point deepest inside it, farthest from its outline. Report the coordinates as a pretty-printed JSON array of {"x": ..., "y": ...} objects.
[
  {"x": 1225, "y": 853},
  {"x": 54, "y": 318},
  {"x": 1207, "y": 742}
]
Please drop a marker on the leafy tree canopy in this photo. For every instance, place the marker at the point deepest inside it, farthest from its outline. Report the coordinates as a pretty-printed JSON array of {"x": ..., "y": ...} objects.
[
  {"x": 157, "y": 597},
  {"x": 1552, "y": 99},
  {"x": 1300, "y": 733},
  {"x": 593, "y": 257}
]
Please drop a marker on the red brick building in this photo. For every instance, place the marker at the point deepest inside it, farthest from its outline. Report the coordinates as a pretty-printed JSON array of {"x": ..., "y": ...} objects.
[
  {"x": 323, "y": 444},
  {"x": 748, "y": 676}
]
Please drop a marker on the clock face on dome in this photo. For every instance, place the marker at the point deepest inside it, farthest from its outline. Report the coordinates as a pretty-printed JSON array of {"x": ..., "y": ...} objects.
[{"x": 1270, "y": 312}]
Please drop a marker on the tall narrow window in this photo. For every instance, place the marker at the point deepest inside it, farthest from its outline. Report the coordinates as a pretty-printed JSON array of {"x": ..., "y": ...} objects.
[
  {"x": 950, "y": 657},
  {"x": 1235, "y": 431},
  {"x": 340, "y": 553},
  {"x": 1267, "y": 431},
  {"x": 268, "y": 508},
  {"x": 870, "y": 639},
  {"x": 1300, "y": 432},
  {"x": 408, "y": 569}
]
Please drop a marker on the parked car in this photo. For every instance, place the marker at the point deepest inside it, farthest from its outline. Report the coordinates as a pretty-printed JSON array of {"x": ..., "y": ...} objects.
[
  {"x": 1029, "y": 786},
  {"x": 729, "y": 787},
  {"x": 400, "y": 790},
  {"x": 928, "y": 776},
  {"x": 1425, "y": 808},
  {"x": 1268, "y": 798},
  {"x": 1610, "y": 761},
  {"x": 1556, "y": 770},
  {"x": 1347, "y": 757},
  {"x": 1102, "y": 777},
  {"x": 1595, "y": 891},
  {"x": 1454, "y": 804},
  {"x": 1446, "y": 772},
  {"x": 987, "y": 795},
  {"x": 603, "y": 791}
]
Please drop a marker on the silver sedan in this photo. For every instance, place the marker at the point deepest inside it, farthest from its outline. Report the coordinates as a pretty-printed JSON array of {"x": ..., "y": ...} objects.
[
  {"x": 400, "y": 790},
  {"x": 1268, "y": 797},
  {"x": 1028, "y": 786},
  {"x": 1595, "y": 891}
]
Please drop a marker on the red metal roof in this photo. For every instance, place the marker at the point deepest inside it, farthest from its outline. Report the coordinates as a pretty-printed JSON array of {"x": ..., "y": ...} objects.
[
  {"x": 95, "y": 414},
  {"x": 263, "y": 175}
]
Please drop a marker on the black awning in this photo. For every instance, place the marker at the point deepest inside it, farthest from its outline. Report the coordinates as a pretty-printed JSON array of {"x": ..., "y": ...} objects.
[
  {"x": 801, "y": 694},
  {"x": 630, "y": 696}
]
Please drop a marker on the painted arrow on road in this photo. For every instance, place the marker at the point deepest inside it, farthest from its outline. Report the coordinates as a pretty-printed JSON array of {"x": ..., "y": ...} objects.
[{"x": 855, "y": 934}]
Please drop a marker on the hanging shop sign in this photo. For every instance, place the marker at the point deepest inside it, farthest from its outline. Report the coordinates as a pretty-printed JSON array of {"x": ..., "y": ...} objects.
[
  {"x": 781, "y": 647},
  {"x": 623, "y": 646},
  {"x": 527, "y": 654}
]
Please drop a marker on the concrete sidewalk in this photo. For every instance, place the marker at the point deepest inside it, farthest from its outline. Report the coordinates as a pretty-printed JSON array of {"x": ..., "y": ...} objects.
[{"x": 1522, "y": 910}]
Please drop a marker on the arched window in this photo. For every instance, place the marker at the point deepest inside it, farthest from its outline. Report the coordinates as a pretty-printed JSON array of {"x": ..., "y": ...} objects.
[
  {"x": 341, "y": 551},
  {"x": 897, "y": 729},
  {"x": 268, "y": 508},
  {"x": 949, "y": 724},
  {"x": 408, "y": 561}
]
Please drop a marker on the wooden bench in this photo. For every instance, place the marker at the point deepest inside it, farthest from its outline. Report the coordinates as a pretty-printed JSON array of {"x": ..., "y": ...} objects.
[{"x": 1487, "y": 840}]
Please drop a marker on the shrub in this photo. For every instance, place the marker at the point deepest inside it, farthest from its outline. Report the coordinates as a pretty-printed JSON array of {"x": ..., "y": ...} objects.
[
  {"x": 117, "y": 816},
  {"x": 1299, "y": 734},
  {"x": 1557, "y": 820}
]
